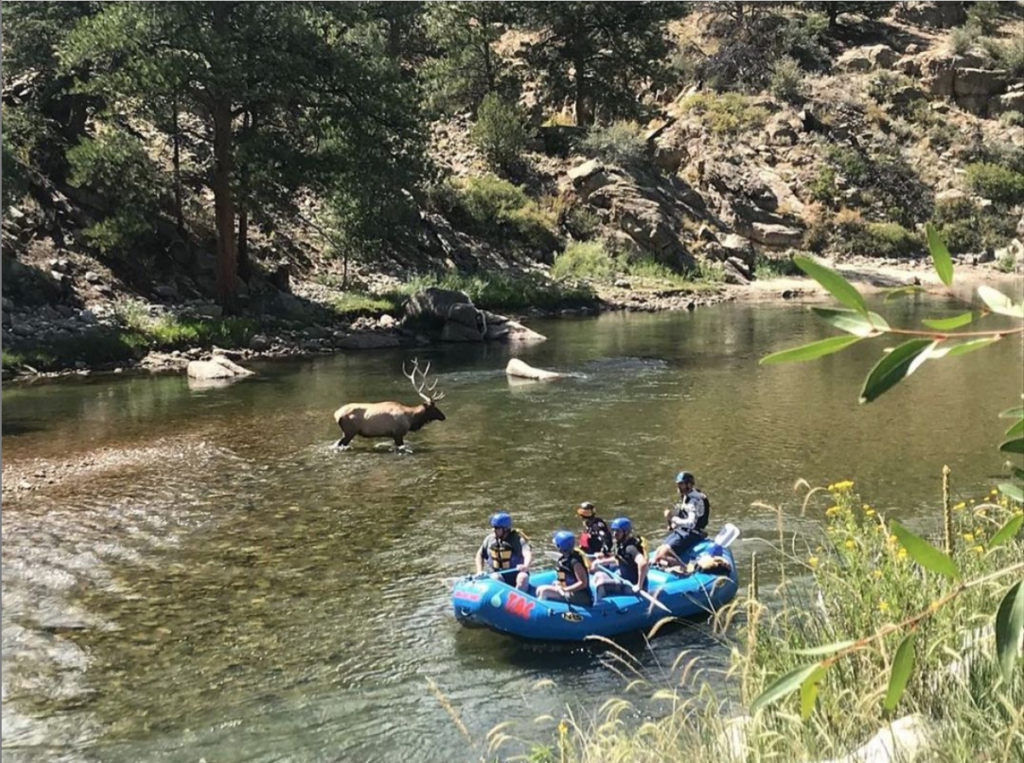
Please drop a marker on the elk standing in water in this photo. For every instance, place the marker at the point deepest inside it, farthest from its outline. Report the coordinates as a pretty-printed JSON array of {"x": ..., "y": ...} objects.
[{"x": 390, "y": 419}]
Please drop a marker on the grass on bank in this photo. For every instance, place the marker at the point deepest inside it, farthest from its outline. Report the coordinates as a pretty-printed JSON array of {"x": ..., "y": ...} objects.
[
  {"x": 591, "y": 260},
  {"x": 847, "y": 583}
]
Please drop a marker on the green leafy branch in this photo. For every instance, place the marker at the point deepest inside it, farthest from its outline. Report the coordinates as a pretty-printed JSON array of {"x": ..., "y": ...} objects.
[
  {"x": 1009, "y": 626},
  {"x": 940, "y": 338}
]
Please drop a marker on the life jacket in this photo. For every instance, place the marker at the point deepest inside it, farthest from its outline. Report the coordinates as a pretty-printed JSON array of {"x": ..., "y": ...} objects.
[
  {"x": 506, "y": 552},
  {"x": 565, "y": 566},
  {"x": 627, "y": 566},
  {"x": 597, "y": 538},
  {"x": 682, "y": 511}
]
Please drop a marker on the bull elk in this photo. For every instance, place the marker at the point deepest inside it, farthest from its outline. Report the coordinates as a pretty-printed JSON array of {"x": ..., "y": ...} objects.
[{"x": 390, "y": 419}]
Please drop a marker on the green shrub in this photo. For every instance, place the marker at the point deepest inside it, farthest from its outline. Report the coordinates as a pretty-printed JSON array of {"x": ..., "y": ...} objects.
[
  {"x": 710, "y": 271},
  {"x": 766, "y": 267},
  {"x": 1012, "y": 118},
  {"x": 890, "y": 240},
  {"x": 499, "y": 132},
  {"x": 885, "y": 84},
  {"x": 786, "y": 82},
  {"x": 962, "y": 39},
  {"x": 817, "y": 237},
  {"x": 587, "y": 259},
  {"x": 823, "y": 187},
  {"x": 503, "y": 292},
  {"x": 582, "y": 223},
  {"x": 618, "y": 143},
  {"x": 886, "y": 181},
  {"x": 726, "y": 113},
  {"x": 983, "y": 16},
  {"x": 117, "y": 166},
  {"x": 997, "y": 182},
  {"x": 497, "y": 209},
  {"x": 965, "y": 227},
  {"x": 1008, "y": 55}
]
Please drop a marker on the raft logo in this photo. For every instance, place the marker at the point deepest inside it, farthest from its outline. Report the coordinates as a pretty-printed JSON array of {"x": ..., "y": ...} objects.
[
  {"x": 519, "y": 606},
  {"x": 572, "y": 617}
]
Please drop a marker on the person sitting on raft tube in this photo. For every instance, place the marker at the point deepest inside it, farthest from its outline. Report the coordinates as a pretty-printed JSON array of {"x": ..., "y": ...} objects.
[
  {"x": 686, "y": 522},
  {"x": 573, "y": 584},
  {"x": 630, "y": 555},
  {"x": 506, "y": 552},
  {"x": 596, "y": 537}
]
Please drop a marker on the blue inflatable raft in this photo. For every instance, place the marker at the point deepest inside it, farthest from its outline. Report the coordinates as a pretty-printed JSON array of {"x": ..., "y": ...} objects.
[{"x": 496, "y": 605}]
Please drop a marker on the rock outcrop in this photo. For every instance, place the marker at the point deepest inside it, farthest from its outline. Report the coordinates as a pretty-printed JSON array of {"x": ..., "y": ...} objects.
[{"x": 451, "y": 316}]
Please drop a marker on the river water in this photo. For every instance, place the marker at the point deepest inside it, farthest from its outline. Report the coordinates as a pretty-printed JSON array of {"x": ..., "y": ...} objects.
[{"x": 209, "y": 580}]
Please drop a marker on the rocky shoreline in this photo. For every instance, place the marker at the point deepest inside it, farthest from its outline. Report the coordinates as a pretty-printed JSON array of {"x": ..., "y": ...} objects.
[{"x": 290, "y": 339}]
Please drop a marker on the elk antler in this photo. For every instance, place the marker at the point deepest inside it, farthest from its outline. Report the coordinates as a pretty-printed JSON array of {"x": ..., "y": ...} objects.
[{"x": 430, "y": 396}]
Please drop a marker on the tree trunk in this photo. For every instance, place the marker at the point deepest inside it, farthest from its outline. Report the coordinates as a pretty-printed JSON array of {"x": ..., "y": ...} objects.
[
  {"x": 243, "y": 210},
  {"x": 223, "y": 203},
  {"x": 833, "y": 15},
  {"x": 178, "y": 212},
  {"x": 584, "y": 110}
]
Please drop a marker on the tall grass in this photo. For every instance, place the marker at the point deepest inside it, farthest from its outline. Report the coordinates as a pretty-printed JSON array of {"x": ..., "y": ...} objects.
[{"x": 848, "y": 582}]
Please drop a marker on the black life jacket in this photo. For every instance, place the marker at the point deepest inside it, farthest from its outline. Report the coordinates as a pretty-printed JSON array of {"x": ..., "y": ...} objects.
[
  {"x": 598, "y": 537},
  {"x": 505, "y": 553},
  {"x": 627, "y": 567},
  {"x": 565, "y": 566},
  {"x": 700, "y": 522}
]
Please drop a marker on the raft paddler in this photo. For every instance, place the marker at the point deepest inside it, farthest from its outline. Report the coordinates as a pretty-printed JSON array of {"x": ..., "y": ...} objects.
[
  {"x": 573, "y": 584},
  {"x": 596, "y": 537},
  {"x": 687, "y": 521},
  {"x": 505, "y": 552},
  {"x": 629, "y": 555}
]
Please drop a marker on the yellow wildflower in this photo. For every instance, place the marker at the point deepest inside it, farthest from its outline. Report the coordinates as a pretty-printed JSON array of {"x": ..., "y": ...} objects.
[
  {"x": 969, "y": 537},
  {"x": 831, "y": 511},
  {"x": 876, "y": 573},
  {"x": 869, "y": 512},
  {"x": 813, "y": 561},
  {"x": 993, "y": 491},
  {"x": 934, "y": 606},
  {"x": 883, "y": 606},
  {"x": 902, "y": 553},
  {"x": 978, "y": 549},
  {"x": 563, "y": 727},
  {"x": 842, "y": 486},
  {"x": 959, "y": 506},
  {"x": 851, "y": 543},
  {"x": 891, "y": 540}
]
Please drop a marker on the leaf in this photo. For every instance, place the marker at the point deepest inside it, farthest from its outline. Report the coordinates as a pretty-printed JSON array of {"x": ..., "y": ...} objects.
[
  {"x": 1011, "y": 528},
  {"x": 1012, "y": 491},
  {"x": 924, "y": 553},
  {"x": 1012, "y": 413},
  {"x": 944, "y": 324},
  {"x": 1013, "y": 446},
  {"x": 998, "y": 302},
  {"x": 783, "y": 687},
  {"x": 836, "y": 285},
  {"x": 940, "y": 255},
  {"x": 810, "y": 351},
  {"x": 970, "y": 346},
  {"x": 824, "y": 649},
  {"x": 1009, "y": 626},
  {"x": 1017, "y": 428},
  {"x": 893, "y": 368},
  {"x": 852, "y": 322},
  {"x": 809, "y": 691},
  {"x": 902, "y": 665}
]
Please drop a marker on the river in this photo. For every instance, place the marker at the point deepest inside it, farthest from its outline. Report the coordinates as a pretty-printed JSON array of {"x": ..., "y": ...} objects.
[{"x": 207, "y": 579}]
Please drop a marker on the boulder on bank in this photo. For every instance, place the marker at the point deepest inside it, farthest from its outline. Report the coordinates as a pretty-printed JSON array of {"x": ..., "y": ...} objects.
[
  {"x": 451, "y": 316},
  {"x": 217, "y": 367},
  {"x": 521, "y": 370}
]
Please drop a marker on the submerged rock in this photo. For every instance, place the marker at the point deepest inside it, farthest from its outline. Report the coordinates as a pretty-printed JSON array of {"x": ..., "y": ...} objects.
[
  {"x": 218, "y": 367},
  {"x": 522, "y": 370}
]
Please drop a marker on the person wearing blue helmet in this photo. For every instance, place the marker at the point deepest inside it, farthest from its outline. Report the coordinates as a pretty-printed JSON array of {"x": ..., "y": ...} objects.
[
  {"x": 629, "y": 554},
  {"x": 505, "y": 552},
  {"x": 573, "y": 584},
  {"x": 687, "y": 521}
]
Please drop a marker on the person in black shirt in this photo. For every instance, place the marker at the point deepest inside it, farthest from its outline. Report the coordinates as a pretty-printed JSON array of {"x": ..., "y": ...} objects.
[{"x": 629, "y": 554}]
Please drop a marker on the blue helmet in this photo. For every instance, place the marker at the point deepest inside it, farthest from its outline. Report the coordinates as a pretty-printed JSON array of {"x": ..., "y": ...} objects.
[
  {"x": 622, "y": 523},
  {"x": 684, "y": 476},
  {"x": 564, "y": 540},
  {"x": 501, "y": 519}
]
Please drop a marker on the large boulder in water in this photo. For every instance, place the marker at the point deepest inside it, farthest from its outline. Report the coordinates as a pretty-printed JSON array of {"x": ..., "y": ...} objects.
[
  {"x": 519, "y": 369},
  {"x": 217, "y": 367}
]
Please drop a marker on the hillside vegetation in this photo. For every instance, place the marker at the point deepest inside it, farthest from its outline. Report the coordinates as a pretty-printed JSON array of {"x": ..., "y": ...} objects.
[{"x": 192, "y": 151}]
